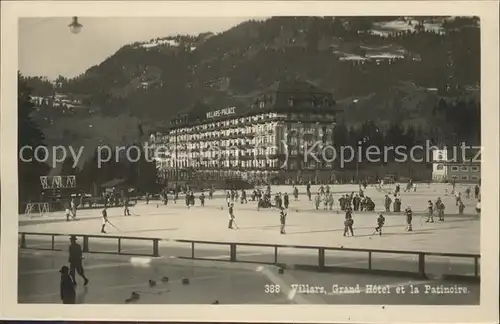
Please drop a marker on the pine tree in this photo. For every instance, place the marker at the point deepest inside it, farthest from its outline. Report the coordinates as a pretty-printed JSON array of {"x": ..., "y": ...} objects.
[{"x": 29, "y": 135}]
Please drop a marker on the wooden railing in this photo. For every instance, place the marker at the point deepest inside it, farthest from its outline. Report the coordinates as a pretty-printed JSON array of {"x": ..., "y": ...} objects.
[{"x": 233, "y": 248}]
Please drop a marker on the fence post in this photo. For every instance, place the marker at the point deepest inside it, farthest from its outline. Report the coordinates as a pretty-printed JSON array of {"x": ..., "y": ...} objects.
[
  {"x": 119, "y": 245},
  {"x": 369, "y": 260},
  {"x": 275, "y": 254},
  {"x": 232, "y": 249},
  {"x": 192, "y": 250},
  {"x": 476, "y": 266},
  {"x": 52, "y": 242},
  {"x": 85, "y": 244},
  {"x": 421, "y": 264},
  {"x": 155, "y": 248},
  {"x": 321, "y": 258},
  {"x": 23, "y": 240}
]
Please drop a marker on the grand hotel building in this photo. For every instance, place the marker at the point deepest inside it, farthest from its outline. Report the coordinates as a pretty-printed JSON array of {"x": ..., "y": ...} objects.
[{"x": 263, "y": 140}]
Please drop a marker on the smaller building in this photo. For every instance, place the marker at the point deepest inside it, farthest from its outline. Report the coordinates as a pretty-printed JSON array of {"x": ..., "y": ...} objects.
[{"x": 448, "y": 166}]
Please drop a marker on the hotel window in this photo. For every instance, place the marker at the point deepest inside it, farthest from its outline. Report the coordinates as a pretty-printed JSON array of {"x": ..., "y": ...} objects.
[
  {"x": 474, "y": 169},
  {"x": 454, "y": 177},
  {"x": 464, "y": 178},
  {"x": 464, "y": 168},
  {"x": 474, "y": 178},
  {"x": 454, "y": 168}
]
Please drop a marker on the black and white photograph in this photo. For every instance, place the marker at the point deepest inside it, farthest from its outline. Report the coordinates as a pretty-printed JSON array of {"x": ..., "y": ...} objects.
[{"x": 324, "y": 159}]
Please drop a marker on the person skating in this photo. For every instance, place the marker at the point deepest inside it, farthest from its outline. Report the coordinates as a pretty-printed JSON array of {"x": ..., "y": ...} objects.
[
  {"x": 356, "y": 202},
  {"x": 387, "y": 202},
  {"x": 308, "y": 189},
  {"x": 68, "y": 213},
  {"x": 342, "y": 203},
  {"x": 228, "y": 196},
  {"x": 467, "y": 193},
  {"x": 282, "y": 221},
  {"x": 317, "y": 201},
  {"x": 330, "y": 201},
  {"x": 398, "y": 189},
  {"x": 126, "y": 211},
  {"x": 147, "y": 198},
  {"x": 380, "y": 224},
  {"x": 458, "y": 198},
  {"x": 67, "y": 288},
  {"x": 104, "y": 220},
  {"x": 325, "y": 201},
  {"x": 476, "y": 191},
  {"x": 461, "y": 207},
  {"x": 211, "y": 194},
  {"x": 286, "y": 200},
  {"x": 187, "y": 198},
  {"x": 75, "y": 261},
  {"x": 231, "y": 215},
  {"x": 243, "y": 196},
  {"x": 202, "y": 199},
  {"x": 441, "y": 208},
  {"x": 348, "y": 223},
  {"x": 409, "y": 218},
  {"x": 295, "y": 193},
  {"x": 430, "y": 212},
  {"x": 397, "y": 205},
  {"x": 478, "y": 206},
  {"x": 73, "y": 207}
]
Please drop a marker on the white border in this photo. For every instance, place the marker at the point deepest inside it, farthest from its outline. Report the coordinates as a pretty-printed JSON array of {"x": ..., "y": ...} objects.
[{"x": 486, "y": 312}]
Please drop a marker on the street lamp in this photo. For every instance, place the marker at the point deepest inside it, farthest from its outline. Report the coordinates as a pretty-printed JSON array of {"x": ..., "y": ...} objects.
[{"x": 75, "y": 26}]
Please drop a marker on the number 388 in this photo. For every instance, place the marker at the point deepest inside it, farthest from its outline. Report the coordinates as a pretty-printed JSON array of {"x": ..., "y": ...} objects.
[{"x": 272, "y": 289}]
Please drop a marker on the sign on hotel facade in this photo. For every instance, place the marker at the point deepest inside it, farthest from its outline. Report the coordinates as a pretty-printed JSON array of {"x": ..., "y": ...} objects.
[{"x": 221, "y": 112}]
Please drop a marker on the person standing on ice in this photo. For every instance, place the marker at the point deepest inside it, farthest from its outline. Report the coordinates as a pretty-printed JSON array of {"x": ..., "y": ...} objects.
[
  {"x": 317, "y": 200},
  {"x": 67, "y": 288},
  {"x": 409, "y": 218},
  {"x": 380, "y": 224},
  {"x": 231, "y": 216},
  {"x": 104, "y": 220},
  {"x": 348, "y": 223},
  {"x": 430, "y": 212},
  {"x": 75, "y": 261},
  {"x": 282, "y": 221}
]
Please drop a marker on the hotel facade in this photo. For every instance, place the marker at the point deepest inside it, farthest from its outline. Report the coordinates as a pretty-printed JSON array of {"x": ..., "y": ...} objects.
[{"x": 265, "y": 140}]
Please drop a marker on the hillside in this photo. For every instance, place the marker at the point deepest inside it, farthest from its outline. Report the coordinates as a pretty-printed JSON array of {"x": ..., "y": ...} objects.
[{"x": 390, "y": 69}]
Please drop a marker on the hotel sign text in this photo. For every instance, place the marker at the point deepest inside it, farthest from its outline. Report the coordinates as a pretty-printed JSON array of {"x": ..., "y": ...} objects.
[{"x": 221, "y": 112}]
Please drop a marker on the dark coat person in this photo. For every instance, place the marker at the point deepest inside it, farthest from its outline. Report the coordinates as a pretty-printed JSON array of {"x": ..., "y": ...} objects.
[{"x": 68, "y": 294}]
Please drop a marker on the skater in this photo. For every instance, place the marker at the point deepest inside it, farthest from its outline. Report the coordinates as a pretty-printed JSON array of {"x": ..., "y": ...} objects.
[
  {"x": 68, "y": 213},
  {"x": 75, "y": 261},
  {"x": 317, "y": 201},
  {"x": 231, "y": 215},
  {"x": 430, "y": 212},
  {"x": 286, "y": 200},
  {"x": 409, "y": 217},
  {"x": 165, "y": 198},
  {"x": 147, "y": 198},
  {"x": 380, "y": 224},
  {"x": 202, "y": 199},
  {"x": 370, "y": 205},
  {"x": 67, "y": 290},
  {"x": 296, "y": 193},
  {"x": 211, "y": 193},
  {"x": 342, "y": 203},
  {"x": 478, "y": 206},
  {"x": 398, "y": 189},
  {"x": 458, "y": 198},
  {"x": 243, "y": 196},
  {"x": 461, "y": 208},
  {"x": 327, "y": 190},
  {"x": 187, "y": 199},
  {"x": 282, "y": 221},
  {"x": 126, "y": 211},
  {"x": 330, "y": 201},
  {"x": 453, "y": 186},
  {"x": 476, "y": 191},
  {"x": 440, "y": 208},
  {"x": 308, "y": 189},
  {"x": 397, "y": 205},
  {"x": 388, "y": 202},
  {"x": 356, "y": 202},
  {"x": 348, "y": 223},
  {"x": 104, "y": 220},
  {"x": 73, "y": 208},
  {"x": 325, "y": 201},
  {"x": 228, "y": 196},
  {"x": 467, "y": 193}
]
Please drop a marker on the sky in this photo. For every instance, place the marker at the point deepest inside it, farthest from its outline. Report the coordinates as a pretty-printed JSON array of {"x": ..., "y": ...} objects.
[{"x": 48, "y": 48}]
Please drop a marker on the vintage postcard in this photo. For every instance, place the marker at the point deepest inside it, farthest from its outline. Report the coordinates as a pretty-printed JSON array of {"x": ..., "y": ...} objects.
[{"x": 250, "y": 161}]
